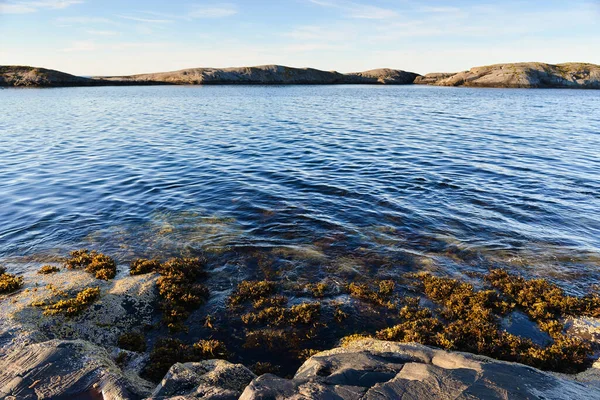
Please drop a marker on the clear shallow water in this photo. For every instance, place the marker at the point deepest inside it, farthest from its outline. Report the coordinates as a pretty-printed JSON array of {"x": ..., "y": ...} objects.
[{"x": 329, "y": 179}]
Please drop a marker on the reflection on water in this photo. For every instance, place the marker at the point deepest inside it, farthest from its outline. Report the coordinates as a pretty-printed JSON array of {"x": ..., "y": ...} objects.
[{"x": 320, "y": 180}]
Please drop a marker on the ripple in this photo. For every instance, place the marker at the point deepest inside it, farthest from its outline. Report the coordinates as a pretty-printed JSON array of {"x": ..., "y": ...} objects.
[{"x": 504, "y": 175}]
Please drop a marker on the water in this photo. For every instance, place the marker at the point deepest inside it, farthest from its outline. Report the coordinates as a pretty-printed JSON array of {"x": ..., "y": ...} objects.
[{"x": 327, "y": 179}]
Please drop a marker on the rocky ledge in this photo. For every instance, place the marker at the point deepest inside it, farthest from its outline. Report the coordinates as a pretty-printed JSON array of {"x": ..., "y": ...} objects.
[
  {"x": 21, "y": 76},
  {"x": 520, "y": 75},
  {"x": 363, "y": 369}
]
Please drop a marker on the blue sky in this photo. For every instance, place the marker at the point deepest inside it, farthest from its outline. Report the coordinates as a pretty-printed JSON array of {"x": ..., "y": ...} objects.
[{"x": 110, "y": 37}]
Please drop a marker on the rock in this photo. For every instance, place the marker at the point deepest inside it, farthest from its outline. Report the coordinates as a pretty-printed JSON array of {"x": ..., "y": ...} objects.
[
  {"x": 264, "y": 74},
  {"x": 384, "y": 76},
  {"x": 65, "y": 369},
  {"x": 432, "y": 78},
  {"x": 125, "y": 304},
  {"x": 210, "y": 379},
  {"x": 14, "y": 75},
  {"x": 373, "y": 369},
  {"x": 522, "y": 75}
]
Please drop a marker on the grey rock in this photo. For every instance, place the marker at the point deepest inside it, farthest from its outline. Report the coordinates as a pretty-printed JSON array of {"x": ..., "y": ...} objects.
[
  {"x": 269, "y": 74},
  {"x": 522, "y": 75},
  {"x": 210, "y": 379},
  {"x": 126, "y": 303},
  {"x": 22, "y": 76},
  {"x": 373, "y": 369},
  {"x": 432, "y": 78},
  {"x": 65, "y": 369},
  {"x": 384, "y": 76}
]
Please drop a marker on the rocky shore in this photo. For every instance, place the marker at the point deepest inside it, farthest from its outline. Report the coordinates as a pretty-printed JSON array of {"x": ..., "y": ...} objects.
[
  {"x": 519, "y": 75},
  {"x": 362, "y": 369},
  {"x": 88, "y": 328}
]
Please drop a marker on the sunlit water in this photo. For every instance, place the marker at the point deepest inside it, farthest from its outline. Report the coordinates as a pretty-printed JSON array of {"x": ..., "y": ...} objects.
[{"x": 327, "y": 179}]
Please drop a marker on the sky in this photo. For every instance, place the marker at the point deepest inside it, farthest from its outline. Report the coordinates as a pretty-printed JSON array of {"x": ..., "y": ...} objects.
[{"x": 115, "y": 37}]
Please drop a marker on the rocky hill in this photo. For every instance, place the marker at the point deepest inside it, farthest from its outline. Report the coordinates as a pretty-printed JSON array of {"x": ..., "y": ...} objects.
[
  {"x": 521, "y": 75},
  {"x": 22, "y": 76}
]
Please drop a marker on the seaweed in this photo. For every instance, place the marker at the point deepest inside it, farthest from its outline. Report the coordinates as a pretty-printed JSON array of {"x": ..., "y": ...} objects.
[
  {"x": 142, "y": 266},
  {"x": 74, "y": 305},
  {"x": 381, "y": 296},
  {"x": 9, "y": 283},
  {"x": 100, "y": 265},
  {"x": 179, "y": 291},
  {"x": 251, "y": 291},
  {"x": 169, "y": 351},
  {"x": 468, "y": 320},
  {"x": 132, "y": 341},
  {"x": 48, "y": 269},
  {"x": 305, "y": 313}
]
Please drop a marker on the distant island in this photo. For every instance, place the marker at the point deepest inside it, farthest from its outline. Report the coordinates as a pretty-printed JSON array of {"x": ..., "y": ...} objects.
[{"x": 517, "y": 75}]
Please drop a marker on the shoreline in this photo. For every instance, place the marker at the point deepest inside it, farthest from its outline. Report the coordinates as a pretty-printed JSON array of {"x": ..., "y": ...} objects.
[
  {"x": 517, "y": 75},
  {"x": 165, "y": 323}
]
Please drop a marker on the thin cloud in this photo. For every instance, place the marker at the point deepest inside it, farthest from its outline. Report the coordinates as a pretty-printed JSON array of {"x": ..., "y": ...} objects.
[
  {"x": 85, "y": 20},
  {"x": 217, "y": 11},
  {"x": 79, "y": 46},
  {"x": 146, "y": 20},
  {"x": 27, "y": 7},
  {"x": 102, "y": 33},
  {"x": 357, "y": 10}
]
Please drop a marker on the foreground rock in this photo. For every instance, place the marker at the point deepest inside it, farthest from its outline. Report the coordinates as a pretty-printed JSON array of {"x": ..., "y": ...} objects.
[
  {"x": 372, "y": 369},
  {"x": 365, "y": 369},
  {"x": 210, "y": 380},
  {"x": 65, "y": 369},
  {"x": 521, "y": 75},
  {"x": 126, "y": 304}
]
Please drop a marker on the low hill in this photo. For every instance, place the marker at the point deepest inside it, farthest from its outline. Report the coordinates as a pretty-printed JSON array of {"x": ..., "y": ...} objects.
[
  {"x": 269, "y": 74},
  {"x": 22, "y": 76},
  {"x": 521, "y": 75}
]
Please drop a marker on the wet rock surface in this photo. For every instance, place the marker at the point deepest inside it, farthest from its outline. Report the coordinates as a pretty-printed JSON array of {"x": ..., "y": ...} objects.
[
  {"x": 65, "y": 369},
  {"x": 364, "y": 369},
  {"x": 371, "y": 369}
]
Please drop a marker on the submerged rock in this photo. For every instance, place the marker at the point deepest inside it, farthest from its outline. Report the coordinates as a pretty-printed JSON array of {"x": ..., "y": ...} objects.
[
  {"x": 372, "y": 369},
  {"x": 521, "y": 75}
]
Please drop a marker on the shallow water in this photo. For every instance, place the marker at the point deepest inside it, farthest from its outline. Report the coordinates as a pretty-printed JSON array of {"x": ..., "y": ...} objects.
[{"x": 328, "y": 179}]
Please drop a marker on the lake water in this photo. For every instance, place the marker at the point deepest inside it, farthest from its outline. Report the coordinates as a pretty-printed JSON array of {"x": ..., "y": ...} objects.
[{"x": 340, "y": 180}]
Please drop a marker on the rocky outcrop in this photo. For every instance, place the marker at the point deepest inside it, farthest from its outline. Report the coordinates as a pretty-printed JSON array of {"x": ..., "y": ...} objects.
[
  {"x": 270, "y": 74},
  {"x": 384, "y": 76},
  {"x": 521, "y": 75},
  {"x": 211, "y": 380},
  {"x": 21, "y": 76},
  {"x": 433, "y": 78},
  {"x": 364, "y": 369},
  {"x": 126, "y": 304},
  {"x": 372, "y": 369},
  {"x": 63, "y": 370},
  {"x": 259, "y": 75}
]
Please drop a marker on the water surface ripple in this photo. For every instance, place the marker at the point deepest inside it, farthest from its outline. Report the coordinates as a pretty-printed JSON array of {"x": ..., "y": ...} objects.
[{"x": 460, "y": 176}]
